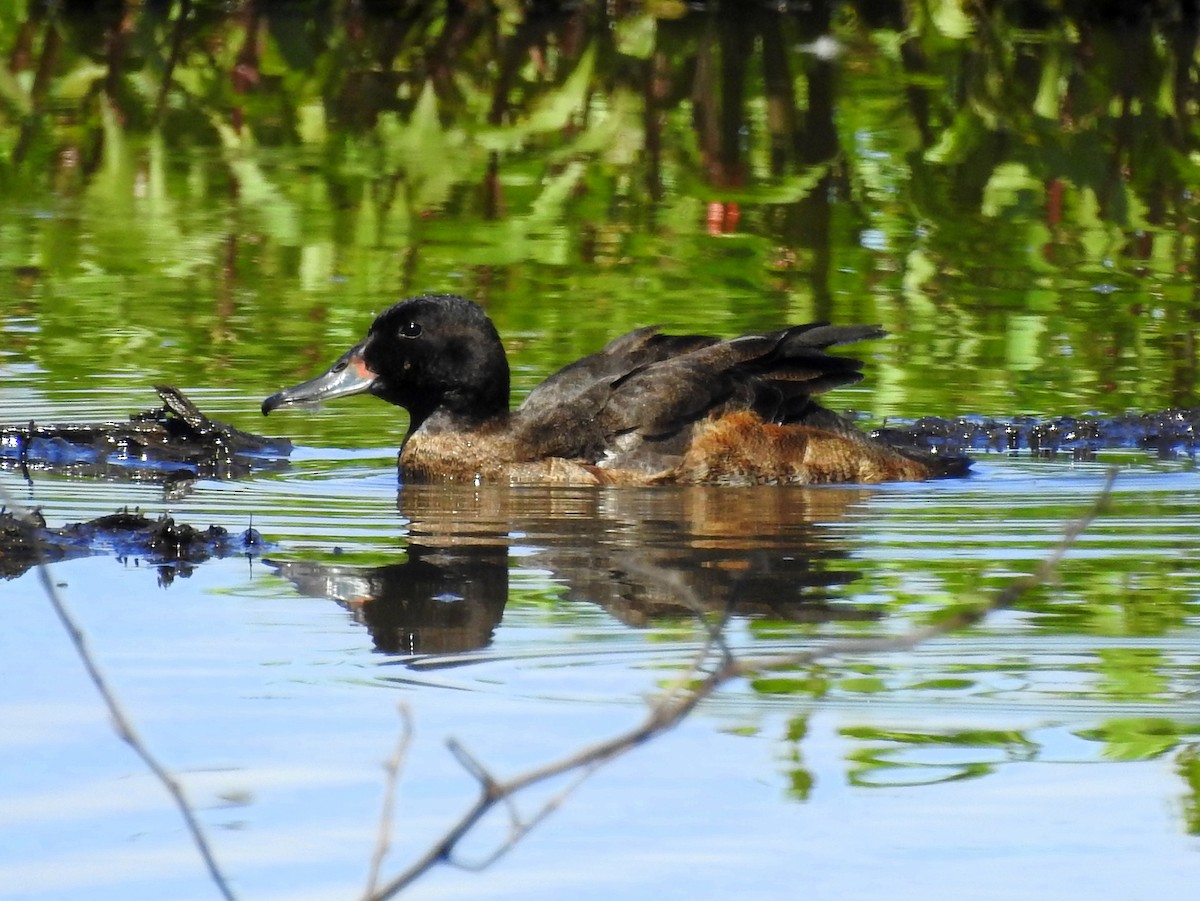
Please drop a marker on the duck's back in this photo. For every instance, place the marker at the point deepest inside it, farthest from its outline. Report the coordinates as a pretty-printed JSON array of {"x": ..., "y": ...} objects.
[{"x": 638, "y": 403}]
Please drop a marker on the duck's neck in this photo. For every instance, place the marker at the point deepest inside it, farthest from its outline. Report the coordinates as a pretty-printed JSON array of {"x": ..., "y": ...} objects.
[
  {"x": 461, "y": 406},
  {"x": 446, "y": 420}
]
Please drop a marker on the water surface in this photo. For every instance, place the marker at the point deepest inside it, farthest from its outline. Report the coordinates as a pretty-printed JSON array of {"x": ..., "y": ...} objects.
[{"x": 972, "y": 184}]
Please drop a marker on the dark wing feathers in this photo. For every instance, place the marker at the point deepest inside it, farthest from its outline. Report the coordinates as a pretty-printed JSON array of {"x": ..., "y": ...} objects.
[
  {"x": 585, "y": 381},
  {"x": 822, "y": 335},
  {"x": 654, "y": 386}
]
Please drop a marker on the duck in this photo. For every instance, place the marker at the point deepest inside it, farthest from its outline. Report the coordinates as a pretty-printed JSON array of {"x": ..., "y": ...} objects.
[{"x": 649, "y": 408}]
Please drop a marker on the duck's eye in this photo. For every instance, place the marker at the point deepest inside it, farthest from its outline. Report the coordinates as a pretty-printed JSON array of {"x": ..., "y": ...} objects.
[{"x": 410, "y": 330}]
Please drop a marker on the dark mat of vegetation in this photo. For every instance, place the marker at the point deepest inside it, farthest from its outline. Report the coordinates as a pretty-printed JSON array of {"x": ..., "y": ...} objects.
[
  {"x": 1167, "y": 434},
  {"x": 173, "y": 547},
  {"x": 166, "y": 444}
]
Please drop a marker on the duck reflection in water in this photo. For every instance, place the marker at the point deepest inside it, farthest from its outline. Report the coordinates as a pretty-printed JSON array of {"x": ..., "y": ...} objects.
[{"x": 642, "y": 555}]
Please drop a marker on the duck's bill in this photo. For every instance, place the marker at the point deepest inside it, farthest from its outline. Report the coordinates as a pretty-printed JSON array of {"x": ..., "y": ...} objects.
[{"x": 349, "y": 375}]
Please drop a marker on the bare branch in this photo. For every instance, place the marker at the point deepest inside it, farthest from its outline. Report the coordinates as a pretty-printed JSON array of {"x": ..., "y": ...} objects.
[
  {"x": 392, "y": 767},
  {"x": 487, "y": 782},
  {"x": 122, "y": 725},
  {"x": 686, "y": 693}
]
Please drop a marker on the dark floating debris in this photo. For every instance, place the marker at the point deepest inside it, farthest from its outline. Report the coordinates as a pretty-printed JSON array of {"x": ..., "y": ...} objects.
[
  {"x": 1167, "y": 434},
  {"x": 173, "y": 547},
  {"x": 170, "y": 443}
]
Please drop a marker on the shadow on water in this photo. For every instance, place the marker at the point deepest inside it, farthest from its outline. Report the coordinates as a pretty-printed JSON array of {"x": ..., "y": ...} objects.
[{"x": 638, "y": 554}]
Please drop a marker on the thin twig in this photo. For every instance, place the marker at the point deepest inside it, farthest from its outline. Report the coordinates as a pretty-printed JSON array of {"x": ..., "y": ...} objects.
[
  {"x": 122, "y": 724},
  {"x": 663, "y": 711},
  {"x": 687, "y": 693},
  {"x": 392, "y": 767}
]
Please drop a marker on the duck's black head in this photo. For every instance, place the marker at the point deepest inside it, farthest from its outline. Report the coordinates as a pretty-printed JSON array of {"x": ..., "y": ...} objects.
[{"x": 438, "y": 353}]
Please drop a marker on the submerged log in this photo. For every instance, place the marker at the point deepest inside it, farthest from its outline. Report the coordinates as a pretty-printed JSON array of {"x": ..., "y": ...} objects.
[
  {"x": 173, "y": 547},
  {"x": 166, "y": 444}
]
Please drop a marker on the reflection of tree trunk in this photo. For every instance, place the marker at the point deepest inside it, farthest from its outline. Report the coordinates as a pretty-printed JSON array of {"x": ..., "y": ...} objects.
[
  {"x": 704, "y": 103},
  {"x": 116, "y": 64},
  {"x": 1185, "y": 37},
  {"x": 517, "y": 49},
  {"x": 1195, "y": 271},
  {"x": 1123, "y": 137},
  {"x": 221, "y": 334},
  {"x": 781, "y": 97},
  {"x": 654, "y": 91},
  {"x": 362, "y": 92},
  {"x": 493, "y": 192},
  {"x": 388, "y": 33},
  {"x": 912, "y": 57},
  {"x": 41, "y": 83},
  {"x": 22, "y": 51},
  {"x": 1181, "y": 345},
  {"x": 245, "y": 69},
  {"x": 408, "y": 266},
  {"x": 177, "y": 34},
  {"x": 817, "y": 143},
  {"x": 445, "y": 57},
  {"x": 229, "y": 277},
  {"x": 737, "y": 44},
  {"x": 818, "y": 139},
  {"x": 718, "y": 98}
]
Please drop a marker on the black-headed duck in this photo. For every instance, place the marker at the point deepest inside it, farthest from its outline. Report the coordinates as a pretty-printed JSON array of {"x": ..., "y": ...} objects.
[{"x": 647, "y": 409}]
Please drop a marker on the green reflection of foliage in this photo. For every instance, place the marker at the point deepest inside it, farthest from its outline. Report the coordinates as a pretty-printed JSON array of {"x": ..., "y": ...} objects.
[
  {"x": 1132, "y": 596},
  {"x": 800, "y": 777},
  {"x": 1133, "y": 673},
  {"x": 819, "y": 682},
  {"x": 1147, "y": 583},
  {"x": 1189, "y": 769},
  {"x": 1009, "y": 194},
  {"x": 1143, "y": 738},
  {"x": 897, "y": 758},
  {"x": 815, "y": 685}
]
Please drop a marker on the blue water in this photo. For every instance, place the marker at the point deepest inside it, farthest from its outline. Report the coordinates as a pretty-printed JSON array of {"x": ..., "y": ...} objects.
[{"x": 969, "y": 767}]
